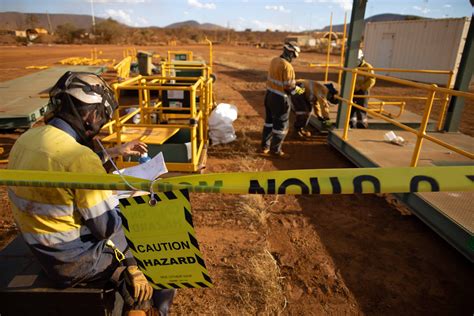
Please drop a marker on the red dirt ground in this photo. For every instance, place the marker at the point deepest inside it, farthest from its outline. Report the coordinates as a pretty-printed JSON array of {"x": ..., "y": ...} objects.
[{"x": 292, "y": 255}]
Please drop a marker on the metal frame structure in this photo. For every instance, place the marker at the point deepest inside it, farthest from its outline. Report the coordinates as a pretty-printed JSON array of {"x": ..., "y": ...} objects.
[
  {"x": 154, "y": 114},
  {"x": 194, "y": 118},
  {"x": 421, "y": 132},
  {"x": 174, "y": 53}
]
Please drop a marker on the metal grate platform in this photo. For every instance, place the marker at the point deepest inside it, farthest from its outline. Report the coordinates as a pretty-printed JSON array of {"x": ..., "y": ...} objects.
[
  {"x": 21, "y": 104},
  {"x": 450, "y": 214}
]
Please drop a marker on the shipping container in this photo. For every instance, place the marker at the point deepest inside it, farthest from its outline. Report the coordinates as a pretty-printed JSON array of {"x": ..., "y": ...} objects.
[{"x": 433, "y": 44}]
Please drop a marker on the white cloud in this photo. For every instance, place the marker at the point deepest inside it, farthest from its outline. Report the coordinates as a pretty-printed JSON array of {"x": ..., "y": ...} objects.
[
  {"x": 422, "y": 10},
  {"x": 200, "y": 5},
  {"x": 141, "y": 22},
  {"x": 264, "y": 25},
  {"x": 447, "y": 6},
  {"x": 118, "y": 1},
  {"x": 346, "y": 5},
  {"x": 186, "y": 13},
  {"x": 278, "y": 8},
  {"x": 120, "y": 15}
]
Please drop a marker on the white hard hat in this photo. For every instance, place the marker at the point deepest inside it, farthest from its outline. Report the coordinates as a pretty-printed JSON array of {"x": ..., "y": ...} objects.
[
  {"x": 87, "y": 88},
  {"x": 81, "y": 87},
  {"x": 292, "y": 47},
  {"x": 360, "y": 56}
]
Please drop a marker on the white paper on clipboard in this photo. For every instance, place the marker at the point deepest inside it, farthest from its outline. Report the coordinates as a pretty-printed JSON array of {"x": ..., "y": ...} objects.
[{"x": 150, "y": 171}]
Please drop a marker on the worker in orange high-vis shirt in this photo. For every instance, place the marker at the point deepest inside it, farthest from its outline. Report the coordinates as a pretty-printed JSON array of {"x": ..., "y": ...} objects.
[{"x": 281, "y": 84}]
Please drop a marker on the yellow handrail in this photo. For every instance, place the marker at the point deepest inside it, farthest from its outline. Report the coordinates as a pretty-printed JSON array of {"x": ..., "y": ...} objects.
[
  {"x": 329, "y": 49},
  {"x": 413, "y": 84},
  {"x": 423, "y": 71},
  {"x": 421, "y": 132}
]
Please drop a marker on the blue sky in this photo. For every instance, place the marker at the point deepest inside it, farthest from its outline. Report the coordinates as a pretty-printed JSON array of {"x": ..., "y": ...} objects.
[{"x": 296, "y": 15}]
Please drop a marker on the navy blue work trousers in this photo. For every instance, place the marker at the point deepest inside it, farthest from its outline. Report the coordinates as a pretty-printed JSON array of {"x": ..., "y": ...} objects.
[{"x": 277, "y": 113}]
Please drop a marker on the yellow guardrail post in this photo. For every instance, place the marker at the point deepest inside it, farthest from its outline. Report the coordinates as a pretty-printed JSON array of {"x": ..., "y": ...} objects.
[
  {"x": 445, "y": 103},
  {"x": 210, "y": 55},
  {"x": 422, "y": 131},
  {"x": 349, "y": 104},
  {"x": 118, "y": 125},
  {"x": 146, "y": 103},
  {"x": 329, "y": 49}
]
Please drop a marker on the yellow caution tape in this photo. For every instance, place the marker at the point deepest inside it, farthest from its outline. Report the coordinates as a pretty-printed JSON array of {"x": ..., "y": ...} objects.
[{"x": 311, "y": 181}]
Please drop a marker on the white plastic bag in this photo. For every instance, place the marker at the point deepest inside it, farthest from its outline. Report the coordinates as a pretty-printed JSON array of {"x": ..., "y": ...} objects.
[
  {"x": 221, "y": 130},
  {"x": 391, "y": 137}
]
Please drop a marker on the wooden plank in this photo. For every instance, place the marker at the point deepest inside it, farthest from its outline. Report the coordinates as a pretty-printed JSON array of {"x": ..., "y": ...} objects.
[{"x": 155, "y": 135}]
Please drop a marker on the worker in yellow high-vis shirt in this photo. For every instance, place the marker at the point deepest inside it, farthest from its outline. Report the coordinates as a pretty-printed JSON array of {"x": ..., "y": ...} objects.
[
  {"x": 362, "y": 88},
  {"x": 77, "y": 235}
]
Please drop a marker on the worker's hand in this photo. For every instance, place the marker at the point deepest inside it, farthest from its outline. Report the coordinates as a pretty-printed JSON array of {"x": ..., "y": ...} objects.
[
  {"x": 133, "y": 148},
  {"x": 298, "y": 90},
  {"x": 142, "y": 290}
]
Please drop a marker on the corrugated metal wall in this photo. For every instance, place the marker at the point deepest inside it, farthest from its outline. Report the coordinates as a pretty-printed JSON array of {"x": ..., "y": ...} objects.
[{"x": 416, "y": 44}]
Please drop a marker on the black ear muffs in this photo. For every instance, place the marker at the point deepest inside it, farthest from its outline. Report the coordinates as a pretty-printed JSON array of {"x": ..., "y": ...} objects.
[{"x": 332, "y": 92}]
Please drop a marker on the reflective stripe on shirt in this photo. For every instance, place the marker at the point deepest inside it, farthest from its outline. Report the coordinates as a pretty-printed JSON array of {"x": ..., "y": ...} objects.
[
  {"x": 40, "y": 208},
  {"x": 57, "y": 237},
  {"x": 281, "y": 83},
  {"x": 100, "y": 208},
  {"x": 281, "y": 76}
]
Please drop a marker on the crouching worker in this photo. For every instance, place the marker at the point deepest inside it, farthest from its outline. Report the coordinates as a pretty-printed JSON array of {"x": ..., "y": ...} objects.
[
  {"x": 314, "y": 100},
  {"x": 77, "y": 235}
]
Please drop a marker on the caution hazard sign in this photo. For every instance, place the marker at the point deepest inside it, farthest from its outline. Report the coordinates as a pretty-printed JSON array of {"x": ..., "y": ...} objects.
[{"x": 163, "y": 241}]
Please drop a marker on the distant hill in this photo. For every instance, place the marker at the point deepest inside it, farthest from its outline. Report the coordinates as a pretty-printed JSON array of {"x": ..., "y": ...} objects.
[
  {"x": 195, "y": 24},
  {"x": 377, "y": 18},
  {"x": 21, "y": 21}
]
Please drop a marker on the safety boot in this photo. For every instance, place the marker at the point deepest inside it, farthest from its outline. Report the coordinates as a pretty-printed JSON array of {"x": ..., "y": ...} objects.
[
  {"x": 264, "y": 151},
  {"x": 280, "y": 155},
  {"x": 303, "y": 133}
]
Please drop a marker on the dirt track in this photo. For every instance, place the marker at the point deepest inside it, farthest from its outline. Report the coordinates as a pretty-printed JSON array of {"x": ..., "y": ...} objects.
[{"x": 294, "y": 255}]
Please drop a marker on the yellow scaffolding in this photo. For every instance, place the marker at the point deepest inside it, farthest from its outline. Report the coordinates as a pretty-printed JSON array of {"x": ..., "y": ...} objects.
[
  {"x": 160, "y": 121},
  {"x": 130, "y": 52}
]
